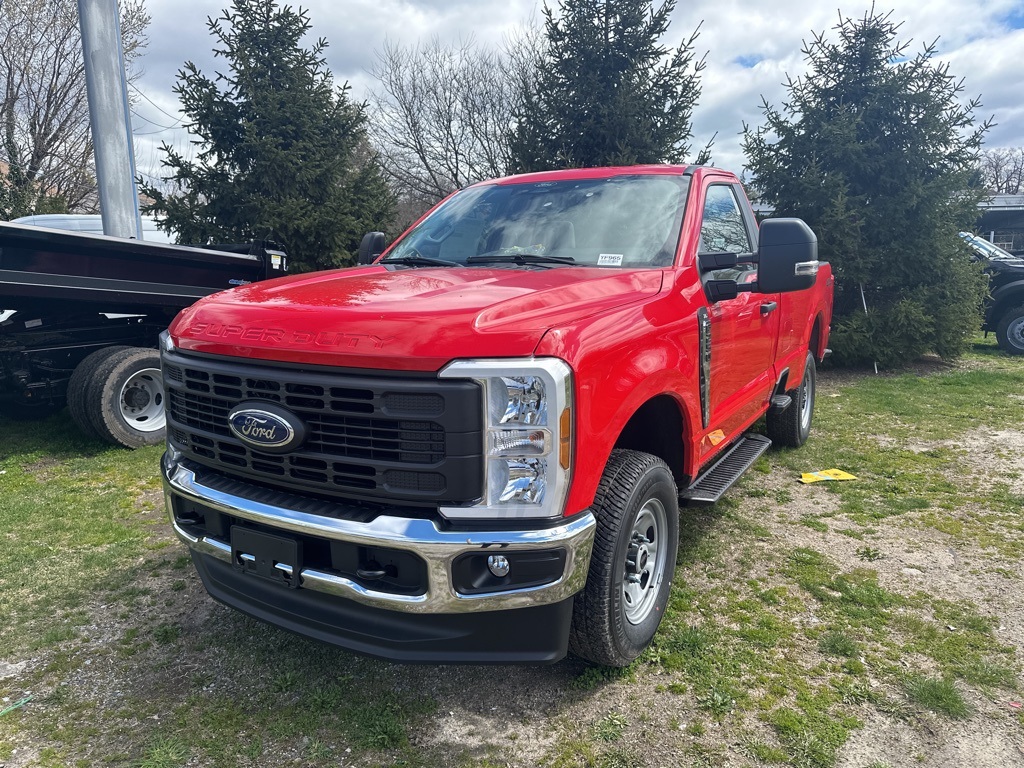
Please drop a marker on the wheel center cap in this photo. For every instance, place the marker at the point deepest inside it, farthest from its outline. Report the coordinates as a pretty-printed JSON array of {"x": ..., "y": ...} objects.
[
  {"x": 639, "y": 556},
  {"x": 137, "y": 398},
  {"x": 641, "y": 560}
]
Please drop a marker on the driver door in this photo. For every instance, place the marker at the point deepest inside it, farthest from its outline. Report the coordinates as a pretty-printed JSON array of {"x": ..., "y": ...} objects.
[{"x": 743, "y": 329}]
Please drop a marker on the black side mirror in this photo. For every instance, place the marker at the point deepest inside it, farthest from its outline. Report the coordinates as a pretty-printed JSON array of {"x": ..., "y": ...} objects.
[
  {"x": 787, "y": 256},
  {"x": 371, "y": 247},
  {"x": 723, "y": 290}
]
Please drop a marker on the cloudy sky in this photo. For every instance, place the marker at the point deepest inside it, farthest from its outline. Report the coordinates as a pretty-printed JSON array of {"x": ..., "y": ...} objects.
[{"x": 751, "y": 48}]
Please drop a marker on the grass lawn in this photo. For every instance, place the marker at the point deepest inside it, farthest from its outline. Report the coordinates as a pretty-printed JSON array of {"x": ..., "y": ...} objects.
[{"x": 858, "y": 624}]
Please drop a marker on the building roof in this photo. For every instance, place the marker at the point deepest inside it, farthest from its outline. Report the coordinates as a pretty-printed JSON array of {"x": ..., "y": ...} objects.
[{"x": 1003, "y": 203}]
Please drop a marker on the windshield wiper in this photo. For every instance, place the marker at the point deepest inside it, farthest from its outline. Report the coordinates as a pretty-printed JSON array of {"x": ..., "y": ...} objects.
[
  {"x": 519, "y": 258},
  {"x": 415, "y": 259}
]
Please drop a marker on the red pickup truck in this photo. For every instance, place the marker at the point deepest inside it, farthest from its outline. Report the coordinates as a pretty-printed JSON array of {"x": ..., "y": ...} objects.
[{"x": 473, "y": 446}]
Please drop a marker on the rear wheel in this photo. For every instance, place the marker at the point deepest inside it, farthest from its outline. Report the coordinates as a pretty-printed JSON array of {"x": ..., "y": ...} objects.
[
  {"x": 634, "y": 557},
  {"x": 125, "y": 398},
  {"x": 78, "y": 388},
  {"x": 1010, "y": 331},
  {"x": 792, "y": 426}
]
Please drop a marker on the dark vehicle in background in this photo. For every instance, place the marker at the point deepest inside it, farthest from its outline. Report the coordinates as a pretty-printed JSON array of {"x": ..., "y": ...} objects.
[{"x": 1004, "y": 310}]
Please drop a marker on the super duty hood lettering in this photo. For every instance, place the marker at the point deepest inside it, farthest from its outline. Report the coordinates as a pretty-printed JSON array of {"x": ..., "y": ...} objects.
[{"x": 268, "y": 335}]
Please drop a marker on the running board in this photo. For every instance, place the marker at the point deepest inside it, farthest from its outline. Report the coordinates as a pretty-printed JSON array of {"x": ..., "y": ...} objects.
[{"x": 709, "y": 487}]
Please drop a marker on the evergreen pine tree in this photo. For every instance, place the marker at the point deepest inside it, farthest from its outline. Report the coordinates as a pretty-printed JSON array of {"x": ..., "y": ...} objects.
[
  {"x": 875, "y": 151},
  {"x": 608, "y": 92},
  {"x": 282, "y": 152}
]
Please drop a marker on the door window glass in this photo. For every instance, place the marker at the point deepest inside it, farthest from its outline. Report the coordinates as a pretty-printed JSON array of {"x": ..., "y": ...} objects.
[{"x": 723, "y": 230}]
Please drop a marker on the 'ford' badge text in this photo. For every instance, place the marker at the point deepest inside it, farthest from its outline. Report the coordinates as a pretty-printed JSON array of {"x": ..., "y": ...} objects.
[{"x": 266, "y": 427}]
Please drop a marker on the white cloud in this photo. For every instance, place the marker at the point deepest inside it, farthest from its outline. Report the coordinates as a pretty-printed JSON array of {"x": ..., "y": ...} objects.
[{"x": 976, "y": 38}]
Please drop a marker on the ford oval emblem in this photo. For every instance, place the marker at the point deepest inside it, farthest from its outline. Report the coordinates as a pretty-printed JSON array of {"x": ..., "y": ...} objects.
[{"x": 267, "y": 427}]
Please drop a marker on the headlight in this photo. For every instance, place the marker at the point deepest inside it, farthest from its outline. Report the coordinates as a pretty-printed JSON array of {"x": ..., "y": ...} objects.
[
  {"x": 527, "y": 436},
  {"x": 166, "y": 344}
]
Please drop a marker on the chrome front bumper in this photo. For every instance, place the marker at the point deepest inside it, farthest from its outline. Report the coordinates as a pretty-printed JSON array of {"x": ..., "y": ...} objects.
[{"x": 438, "y": 548}]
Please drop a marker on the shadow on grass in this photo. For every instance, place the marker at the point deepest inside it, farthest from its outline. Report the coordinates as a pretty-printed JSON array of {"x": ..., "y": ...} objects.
[
  {"x": 697, "y": 525},
  {"x": 988, "y": 348},
  {"x": 56, "y": 436}
]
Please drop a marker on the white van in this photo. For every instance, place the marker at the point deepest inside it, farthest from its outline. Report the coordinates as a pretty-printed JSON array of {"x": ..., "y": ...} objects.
[{"x": 92, "y": 224}]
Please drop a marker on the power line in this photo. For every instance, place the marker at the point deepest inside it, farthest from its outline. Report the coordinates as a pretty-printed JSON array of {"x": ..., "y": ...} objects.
[
  {"x": 154, "y": 123},
  {"x": 156, "y": 106}
]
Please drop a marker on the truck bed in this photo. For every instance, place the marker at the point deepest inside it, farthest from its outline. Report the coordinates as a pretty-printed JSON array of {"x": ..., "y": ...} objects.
[
  {"x": 42, "y": 268},
  {"x": 67, "y": 298}
]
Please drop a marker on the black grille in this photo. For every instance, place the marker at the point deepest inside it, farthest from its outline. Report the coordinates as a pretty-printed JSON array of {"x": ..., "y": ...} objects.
[{"x": 402, "y": 438}]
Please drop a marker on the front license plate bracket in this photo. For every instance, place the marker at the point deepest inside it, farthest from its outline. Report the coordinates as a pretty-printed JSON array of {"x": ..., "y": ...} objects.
[{"x": 267, "y": 555}]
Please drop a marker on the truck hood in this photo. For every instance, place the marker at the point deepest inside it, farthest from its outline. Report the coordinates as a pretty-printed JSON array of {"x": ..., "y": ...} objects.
[{"x": 403, "y": 319}]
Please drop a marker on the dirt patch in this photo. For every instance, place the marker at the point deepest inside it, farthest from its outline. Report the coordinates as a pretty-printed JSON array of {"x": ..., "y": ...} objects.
[
  {"x": 998, "y": 454},
  {"x": 11, "y": 669},
  {"x": 44, "y": 468},
  {"x": 988, "y": 740},
  {"x": 909, "y": 558}
]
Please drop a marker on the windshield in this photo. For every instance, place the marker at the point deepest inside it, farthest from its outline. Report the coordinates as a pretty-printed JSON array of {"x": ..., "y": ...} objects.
[
  {"x": 985, "y": 248},
  {"x": 618, "y": 221}
]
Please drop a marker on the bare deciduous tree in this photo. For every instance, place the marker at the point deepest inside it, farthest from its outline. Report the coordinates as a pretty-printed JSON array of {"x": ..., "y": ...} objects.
[
  {"x": 442, "y": 113},
  {"x": 46, "y": 154},
  {"x": 1002, "y": 170}
]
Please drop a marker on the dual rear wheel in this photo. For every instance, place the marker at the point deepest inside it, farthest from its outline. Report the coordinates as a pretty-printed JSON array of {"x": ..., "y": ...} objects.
[{"x": 117, "y": 395}]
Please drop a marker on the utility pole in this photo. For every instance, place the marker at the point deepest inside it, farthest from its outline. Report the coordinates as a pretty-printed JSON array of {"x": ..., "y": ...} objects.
[{"x": 107, "y": 89}]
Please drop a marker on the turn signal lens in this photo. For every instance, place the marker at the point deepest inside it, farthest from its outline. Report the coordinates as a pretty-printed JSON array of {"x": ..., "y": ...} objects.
[
  {"x": 564, "y": 438},
  {"x": 519, "y": 442}
]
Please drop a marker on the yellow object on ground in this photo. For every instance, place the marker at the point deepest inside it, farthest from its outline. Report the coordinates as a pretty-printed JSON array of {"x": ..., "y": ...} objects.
[{"x": 826, "y": 474}]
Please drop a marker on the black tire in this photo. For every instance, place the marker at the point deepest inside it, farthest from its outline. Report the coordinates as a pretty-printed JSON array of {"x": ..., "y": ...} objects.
[
  {"x": 1010, "y": 331},
  {"x": 614, "y": 619},
  {"x": 792, "y": 426},
  {"x": 18, "y": 411},
  {"x": 78, "y": 388},
  {"x": 124, "y": 400}
]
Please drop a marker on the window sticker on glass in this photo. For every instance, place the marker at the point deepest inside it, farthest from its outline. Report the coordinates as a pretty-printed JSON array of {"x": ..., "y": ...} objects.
[{"x": 609, "y": 260}]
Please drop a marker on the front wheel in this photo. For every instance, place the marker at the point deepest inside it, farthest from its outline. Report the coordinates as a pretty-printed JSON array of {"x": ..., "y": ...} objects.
[
  {"x": 792, "y": 427},
  {"x": 634, "y": 557},
  {"x": 1010, "y": 331}
]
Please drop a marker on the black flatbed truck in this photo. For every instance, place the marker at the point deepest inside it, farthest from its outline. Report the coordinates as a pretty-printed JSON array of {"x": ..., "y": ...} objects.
[{"x": 87, "y": 311}]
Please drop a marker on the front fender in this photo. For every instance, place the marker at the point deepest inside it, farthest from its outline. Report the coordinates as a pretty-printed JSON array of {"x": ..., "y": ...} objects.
[
  {"x": 618, "y": 369},
  {"x": 1009, "y": 293}
]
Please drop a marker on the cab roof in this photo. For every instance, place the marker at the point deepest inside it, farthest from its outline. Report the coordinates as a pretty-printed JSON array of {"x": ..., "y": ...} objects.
[{"x": 591, "y": 173}]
